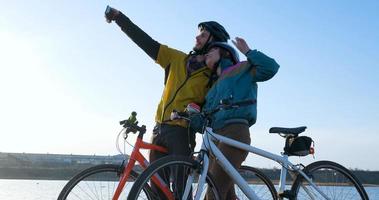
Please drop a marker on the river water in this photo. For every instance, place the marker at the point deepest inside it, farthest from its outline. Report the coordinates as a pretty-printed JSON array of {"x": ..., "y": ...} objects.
[{"x": 49, "y": 190}]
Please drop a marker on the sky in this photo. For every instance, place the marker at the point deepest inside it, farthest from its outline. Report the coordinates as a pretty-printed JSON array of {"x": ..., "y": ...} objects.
[{"x": 67, "y": 77}]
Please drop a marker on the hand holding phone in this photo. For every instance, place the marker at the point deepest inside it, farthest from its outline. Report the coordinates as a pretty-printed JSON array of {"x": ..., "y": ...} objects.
[{"x": 110, "y": 14}]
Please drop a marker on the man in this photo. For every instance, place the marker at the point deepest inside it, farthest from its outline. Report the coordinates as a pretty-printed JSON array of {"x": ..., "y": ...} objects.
[{"x": 187, "y": 80}]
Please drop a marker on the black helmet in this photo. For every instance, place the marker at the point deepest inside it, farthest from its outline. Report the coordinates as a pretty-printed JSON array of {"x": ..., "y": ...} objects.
[
  {"x": 227, "y": 47},
  {"x": 216, "y": 30}
]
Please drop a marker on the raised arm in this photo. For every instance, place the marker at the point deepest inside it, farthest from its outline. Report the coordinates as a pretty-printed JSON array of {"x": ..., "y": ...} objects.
[
  {"x": 142, "y": 39},
  {"x": 262, "y": 67}
]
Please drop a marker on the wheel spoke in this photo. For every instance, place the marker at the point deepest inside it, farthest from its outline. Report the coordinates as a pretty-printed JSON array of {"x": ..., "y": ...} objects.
[
  {"x": 261, "y": 185},
  {"x": 174, "y": 170},
  {"x": 96, "y": 183},
  {"x": 332, "y": 179}
]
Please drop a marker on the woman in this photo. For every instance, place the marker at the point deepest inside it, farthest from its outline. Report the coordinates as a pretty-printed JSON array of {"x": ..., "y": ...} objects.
[{"x": 237, "y": 81}]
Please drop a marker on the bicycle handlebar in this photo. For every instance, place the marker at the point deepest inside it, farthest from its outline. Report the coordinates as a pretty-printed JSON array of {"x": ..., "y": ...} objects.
[
  {"x": 225, "y": 104},
  {"x": 132, "y": 127}
]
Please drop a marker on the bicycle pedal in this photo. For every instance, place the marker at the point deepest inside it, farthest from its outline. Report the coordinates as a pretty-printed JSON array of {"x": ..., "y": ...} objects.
[{"x": 287, "y": 194}]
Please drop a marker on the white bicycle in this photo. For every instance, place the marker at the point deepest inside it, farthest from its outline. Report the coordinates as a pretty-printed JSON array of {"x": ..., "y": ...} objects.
[{"x": 318, "y": 180}]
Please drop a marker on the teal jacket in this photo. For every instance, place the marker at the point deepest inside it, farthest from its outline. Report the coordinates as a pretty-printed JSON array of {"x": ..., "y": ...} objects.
[{"x": 238, "y": 83}]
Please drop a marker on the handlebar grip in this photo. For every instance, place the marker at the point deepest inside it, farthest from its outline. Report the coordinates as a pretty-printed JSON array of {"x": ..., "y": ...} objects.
[
  {"x": 178, "y": 115},
  {"x": 123, "y": 122},
  {"x": 131, "y": 127},
  {"x": 183, "y": 114}
]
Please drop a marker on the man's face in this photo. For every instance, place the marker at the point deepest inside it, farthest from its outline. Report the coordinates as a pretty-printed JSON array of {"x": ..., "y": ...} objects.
[{"x": 201, "y": 39}]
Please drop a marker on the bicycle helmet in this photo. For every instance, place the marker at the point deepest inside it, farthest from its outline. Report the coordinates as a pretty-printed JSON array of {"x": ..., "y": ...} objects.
[
  {"x": 233, "y": 53},
  {"x": 216, "y": 30}
]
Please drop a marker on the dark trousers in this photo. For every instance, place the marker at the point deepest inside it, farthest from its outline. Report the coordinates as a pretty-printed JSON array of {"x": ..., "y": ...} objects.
[
  {"x": 224, "y": 183},
  {"x": 179, "y": 141}
]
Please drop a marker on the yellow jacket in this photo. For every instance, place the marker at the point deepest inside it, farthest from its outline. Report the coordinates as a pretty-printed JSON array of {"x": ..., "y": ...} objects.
[{"x": 180, "y": 88}]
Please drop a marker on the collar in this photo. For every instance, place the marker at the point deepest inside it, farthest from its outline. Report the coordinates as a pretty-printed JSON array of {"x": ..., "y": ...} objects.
[{"x": 223, "y": 64}]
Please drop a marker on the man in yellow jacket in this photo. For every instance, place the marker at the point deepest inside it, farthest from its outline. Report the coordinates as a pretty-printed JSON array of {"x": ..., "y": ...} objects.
[{"x": 187, "y": 80}]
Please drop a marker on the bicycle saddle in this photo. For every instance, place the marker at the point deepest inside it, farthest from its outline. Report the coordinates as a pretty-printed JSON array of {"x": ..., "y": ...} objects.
[{"x": 288, "y": 131}]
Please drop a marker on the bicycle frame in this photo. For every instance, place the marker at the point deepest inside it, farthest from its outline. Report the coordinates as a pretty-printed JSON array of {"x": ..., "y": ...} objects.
[
  {"x": 209, "y": 145},
  {"x": 136, "y": 155}
]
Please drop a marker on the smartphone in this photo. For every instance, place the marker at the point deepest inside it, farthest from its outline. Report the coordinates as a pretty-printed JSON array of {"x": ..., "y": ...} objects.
[
  {"x": 108, "y": 13},
  {"x": 108, "y": 10}
]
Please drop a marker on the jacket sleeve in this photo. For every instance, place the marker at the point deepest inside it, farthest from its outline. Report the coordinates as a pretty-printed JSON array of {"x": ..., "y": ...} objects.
[
  {"x": 167, "y": 55},
  {"x": 263, "y": 67},
  {"x": 142, "y": 39}
]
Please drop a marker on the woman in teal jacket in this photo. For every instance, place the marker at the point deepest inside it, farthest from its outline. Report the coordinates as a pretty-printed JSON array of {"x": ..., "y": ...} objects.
[{"x": 237, "y": 81}]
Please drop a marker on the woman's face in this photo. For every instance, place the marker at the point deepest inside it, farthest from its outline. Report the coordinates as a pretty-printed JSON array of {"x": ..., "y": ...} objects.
[{"x": 212, "y": 57}]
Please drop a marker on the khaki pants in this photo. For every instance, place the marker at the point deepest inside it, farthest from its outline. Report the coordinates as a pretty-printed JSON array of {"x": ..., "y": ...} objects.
[{"x": 224, "y": 183}]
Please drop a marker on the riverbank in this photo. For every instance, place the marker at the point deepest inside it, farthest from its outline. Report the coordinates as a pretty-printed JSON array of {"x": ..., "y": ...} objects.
[
  {"x": 64, "y": 166},
  {"x": 50, "y": 189}
]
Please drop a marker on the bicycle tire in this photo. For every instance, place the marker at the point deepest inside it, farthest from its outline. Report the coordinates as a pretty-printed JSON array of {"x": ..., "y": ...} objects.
[
  {"x": 260, "y": 183},
  {"x": 97, "y": 182},
  {"x": 168, "y": 163},
  {"x": 334, "y": 180}
]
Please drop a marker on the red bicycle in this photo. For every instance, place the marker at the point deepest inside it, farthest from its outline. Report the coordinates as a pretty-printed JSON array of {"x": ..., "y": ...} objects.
[{"x": 110, "y": 181}]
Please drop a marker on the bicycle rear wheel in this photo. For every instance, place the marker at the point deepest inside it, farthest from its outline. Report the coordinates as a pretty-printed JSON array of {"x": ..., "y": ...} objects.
[
  {"x": 258, "y": 181},
  {"x": 173, "y": 171},
  {"x": 332, "y": 179},
  {"x": 98, "y": 182}
]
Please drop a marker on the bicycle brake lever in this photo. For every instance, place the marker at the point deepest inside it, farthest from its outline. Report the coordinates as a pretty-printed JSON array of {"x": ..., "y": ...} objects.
[{"x": 125, "y": 135}]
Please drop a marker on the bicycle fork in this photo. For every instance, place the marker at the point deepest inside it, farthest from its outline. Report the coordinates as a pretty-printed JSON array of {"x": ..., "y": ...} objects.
[{"x": 202, "y": 178}]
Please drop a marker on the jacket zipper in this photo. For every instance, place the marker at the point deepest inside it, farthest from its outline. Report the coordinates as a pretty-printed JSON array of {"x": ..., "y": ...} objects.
[{"x": 173, "y": 98}]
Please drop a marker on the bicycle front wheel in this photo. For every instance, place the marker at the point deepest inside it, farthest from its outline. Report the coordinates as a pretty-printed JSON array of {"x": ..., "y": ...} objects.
[
  {"x": 98, "y": 182},
  {"x": 258, "y": 181},
  {"x": 173, "y": 172},
  {"x": 334, "y": 180}
]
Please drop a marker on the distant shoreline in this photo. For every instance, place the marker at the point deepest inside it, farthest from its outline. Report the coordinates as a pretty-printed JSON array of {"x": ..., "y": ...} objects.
[
  {"x": 275, "y": 182},
  {"x": 23, "y": 166},
  {"x": 32, "y": 173}
]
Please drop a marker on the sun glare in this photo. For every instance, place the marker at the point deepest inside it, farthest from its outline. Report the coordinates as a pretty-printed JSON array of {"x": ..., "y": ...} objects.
[{"x": 36, "y": 104}]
